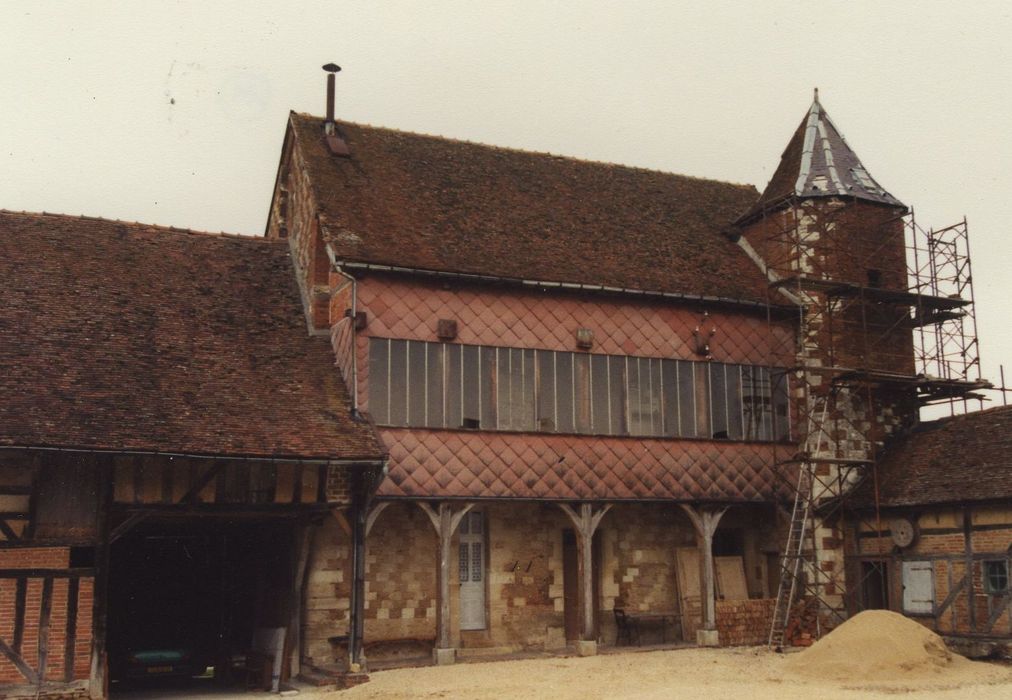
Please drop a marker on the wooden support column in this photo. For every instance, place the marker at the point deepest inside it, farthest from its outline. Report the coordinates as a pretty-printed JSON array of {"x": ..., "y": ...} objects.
[
  {"x": 98, "y": 685},
  {"x": 705, "y": 521},
  {"x": 356, "y": 623},
  {"x": 302, "y": 544},
  {"x": 585, "y": 523},
  {"x": 445, "y": 519}
]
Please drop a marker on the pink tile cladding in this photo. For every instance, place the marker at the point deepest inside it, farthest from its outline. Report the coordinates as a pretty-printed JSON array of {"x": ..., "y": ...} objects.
[{"x": 457, "y": 464}]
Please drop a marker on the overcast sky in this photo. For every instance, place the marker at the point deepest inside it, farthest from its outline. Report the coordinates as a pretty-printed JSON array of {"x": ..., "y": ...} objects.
[{"x": 173, "y": 113}]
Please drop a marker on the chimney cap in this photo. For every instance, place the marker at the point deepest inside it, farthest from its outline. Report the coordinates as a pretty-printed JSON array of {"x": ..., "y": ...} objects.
[{"x": 332, "y": 68}]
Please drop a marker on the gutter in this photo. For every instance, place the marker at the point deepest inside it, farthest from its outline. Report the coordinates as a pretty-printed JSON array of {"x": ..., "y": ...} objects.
[
  {"x": 543, "y": 284},
  {"x": 369, "y": 462}
]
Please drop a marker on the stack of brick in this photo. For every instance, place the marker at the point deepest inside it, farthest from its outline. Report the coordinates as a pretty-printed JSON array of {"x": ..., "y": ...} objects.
[{"x": 744, "y": 622}]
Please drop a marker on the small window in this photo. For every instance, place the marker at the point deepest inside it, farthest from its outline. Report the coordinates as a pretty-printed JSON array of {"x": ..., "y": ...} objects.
[{"x": 996, "y": 577}]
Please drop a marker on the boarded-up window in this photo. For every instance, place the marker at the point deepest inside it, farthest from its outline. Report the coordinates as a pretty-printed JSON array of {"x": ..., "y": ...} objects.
[{"x": 918, "y": 587}]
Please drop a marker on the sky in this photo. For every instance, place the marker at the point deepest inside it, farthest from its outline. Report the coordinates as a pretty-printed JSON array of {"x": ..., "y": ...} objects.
[{"x": 174, "y": 112}]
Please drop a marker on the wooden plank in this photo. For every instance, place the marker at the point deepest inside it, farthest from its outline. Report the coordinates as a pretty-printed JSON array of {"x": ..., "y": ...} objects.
[
  {"x": 70, "y": 637},
  {"x": 310, "y": 479},
  {"x": 297, "y": 484},
  {"x": 285, "y": 483},
  {"x": 731, "y": 578},
  {"x": 45, "y": 612},
  {"x": 689, "y": 590},
  {"x": 20, "y": 600},
  {"x": 123, "y": 482},
  {"x": 138, "y": 478}
]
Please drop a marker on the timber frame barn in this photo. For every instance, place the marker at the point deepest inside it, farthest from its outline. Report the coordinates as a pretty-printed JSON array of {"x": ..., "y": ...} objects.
[{"x": 462, "y": 400}]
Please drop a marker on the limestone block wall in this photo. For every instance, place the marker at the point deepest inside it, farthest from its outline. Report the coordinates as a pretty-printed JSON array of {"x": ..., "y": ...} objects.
[
  {"x": 400, "y": 581},
  {"x": 525, "y": 587},
  {"x": 327, "y": 594}
]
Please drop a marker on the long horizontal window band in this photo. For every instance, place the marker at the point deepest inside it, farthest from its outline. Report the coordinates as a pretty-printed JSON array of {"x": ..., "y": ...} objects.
[{"x": 415, "y": 383}]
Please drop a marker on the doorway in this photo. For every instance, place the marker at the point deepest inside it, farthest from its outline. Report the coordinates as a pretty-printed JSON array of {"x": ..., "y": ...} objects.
[
  {"x": 471, "y": 563},
  {"x": 874, "y": 585},
  {"x": 571, "y": 583},
  {"x": 189, "y": 596}
]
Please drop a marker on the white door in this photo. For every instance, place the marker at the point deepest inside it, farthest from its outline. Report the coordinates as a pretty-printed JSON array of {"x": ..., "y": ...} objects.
[
  {"x": 918, "y": 587},
  {"x": 472, "y": 572}
]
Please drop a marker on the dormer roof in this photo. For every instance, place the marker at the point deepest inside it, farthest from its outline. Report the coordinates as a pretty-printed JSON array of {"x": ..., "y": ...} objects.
[{"x": 818, "y": 162}]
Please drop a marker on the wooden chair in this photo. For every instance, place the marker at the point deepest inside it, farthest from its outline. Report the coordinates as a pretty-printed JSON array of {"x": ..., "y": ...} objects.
[{"x": 625, "y": 628}]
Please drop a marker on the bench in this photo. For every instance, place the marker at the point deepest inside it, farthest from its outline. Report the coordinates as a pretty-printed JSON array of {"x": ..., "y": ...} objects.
[{"x": 630, "y": 624}]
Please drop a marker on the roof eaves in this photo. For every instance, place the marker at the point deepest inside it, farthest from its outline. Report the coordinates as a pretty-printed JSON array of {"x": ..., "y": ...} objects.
[{"x": 547, "y": 284}]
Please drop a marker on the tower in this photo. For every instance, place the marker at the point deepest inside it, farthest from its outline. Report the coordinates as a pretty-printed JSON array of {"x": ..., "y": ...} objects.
[{"x": 879, "y": 335}]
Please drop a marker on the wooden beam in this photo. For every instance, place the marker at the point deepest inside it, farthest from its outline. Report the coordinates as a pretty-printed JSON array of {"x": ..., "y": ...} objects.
[
  {"x": 374, "y": 513},
  {"x": 20, "y": 600},
  {"x": 209, "y": 474},
  {"x": 585, "y": 523},
  {"x": 19, "y": 663},
  {"x": 342, "y": 519},
  {"x": 445, "y": 521},
  {"x": 45, "y": 613},
  {"x": 128, "y": 524},
  {"x": 705, "y": 522},
  {"x": 70, "y": 638},
  {"x": 98, "y": 678},
  {"x": 303, "y": 540}
]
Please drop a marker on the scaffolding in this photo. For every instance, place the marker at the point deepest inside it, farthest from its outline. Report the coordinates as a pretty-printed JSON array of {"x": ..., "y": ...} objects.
[{"x": 877, "y": 335}]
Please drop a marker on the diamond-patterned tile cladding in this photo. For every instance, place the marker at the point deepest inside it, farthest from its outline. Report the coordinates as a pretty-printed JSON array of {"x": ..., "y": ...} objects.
[
  {"x": 401, "y": 308},
  {"x": 430, "y": 463}
]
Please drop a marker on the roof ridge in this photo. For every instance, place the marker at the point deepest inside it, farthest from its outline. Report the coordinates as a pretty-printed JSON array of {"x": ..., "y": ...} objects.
[
  {"x": 526, "y": 151},
  {"x": 136, "y": 224}
]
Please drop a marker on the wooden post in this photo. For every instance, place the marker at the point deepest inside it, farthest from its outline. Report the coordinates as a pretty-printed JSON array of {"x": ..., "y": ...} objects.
[
  {"x": 302, "y": 541},
  {"x": 356, "y": 622},
  {"x": 98, "y": 681},
  {"x": 445, "y": 520},
  {"x": 585, "y": 523},
  {"x": 705, "y": 522}
]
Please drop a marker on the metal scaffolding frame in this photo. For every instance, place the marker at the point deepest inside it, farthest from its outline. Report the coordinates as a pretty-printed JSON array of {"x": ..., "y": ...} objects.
[{"x": 853, "y": 334}]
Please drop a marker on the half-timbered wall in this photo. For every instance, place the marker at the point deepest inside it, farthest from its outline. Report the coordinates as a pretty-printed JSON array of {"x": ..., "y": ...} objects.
[{"x": 941, "y": 579}]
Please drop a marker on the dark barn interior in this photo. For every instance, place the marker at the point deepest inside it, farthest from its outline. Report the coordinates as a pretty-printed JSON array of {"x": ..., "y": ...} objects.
[{"x": 192, "y": 599}]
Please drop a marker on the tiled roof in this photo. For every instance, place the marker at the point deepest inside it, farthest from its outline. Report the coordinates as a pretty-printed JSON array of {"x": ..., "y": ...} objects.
[
  {"x": 962, "y": 458},
  {"x": 818, "y": 163},
  {"x": 452, "y": 464},
  {"x": 134, "y": 337},
  {"x": 431, "y": 203}
]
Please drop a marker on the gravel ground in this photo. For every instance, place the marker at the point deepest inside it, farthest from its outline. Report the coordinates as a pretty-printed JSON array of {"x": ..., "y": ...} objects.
[{"x": 712, "y": 674}]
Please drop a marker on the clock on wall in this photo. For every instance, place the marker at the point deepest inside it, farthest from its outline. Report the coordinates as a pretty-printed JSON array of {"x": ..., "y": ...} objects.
[{"x": 903, "y": 530}]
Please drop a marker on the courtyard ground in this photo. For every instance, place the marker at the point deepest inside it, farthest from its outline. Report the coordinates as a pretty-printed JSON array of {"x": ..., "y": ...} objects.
[{"x": 710, "y": 674}]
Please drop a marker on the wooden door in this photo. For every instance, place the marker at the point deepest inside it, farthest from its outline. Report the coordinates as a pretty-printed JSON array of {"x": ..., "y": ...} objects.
[{"x": 472, "y": 565}]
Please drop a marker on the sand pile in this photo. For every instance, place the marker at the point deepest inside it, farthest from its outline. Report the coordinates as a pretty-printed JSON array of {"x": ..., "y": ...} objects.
[{"x": 878, "y": 645}]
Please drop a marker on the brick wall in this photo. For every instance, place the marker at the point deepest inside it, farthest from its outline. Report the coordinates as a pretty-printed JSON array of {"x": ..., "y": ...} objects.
[
  {"x": 44, "y": 558},
  {"x": 942, "y": 542},
  {"x": 744, "y": 622}
]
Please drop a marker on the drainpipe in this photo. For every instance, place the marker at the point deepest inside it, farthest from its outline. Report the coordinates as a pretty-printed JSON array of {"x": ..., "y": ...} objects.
[{"x": 354, "y": 333}]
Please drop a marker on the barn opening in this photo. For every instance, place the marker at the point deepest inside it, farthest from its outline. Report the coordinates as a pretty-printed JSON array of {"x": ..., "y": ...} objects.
[{"x": 200, "y": 601}]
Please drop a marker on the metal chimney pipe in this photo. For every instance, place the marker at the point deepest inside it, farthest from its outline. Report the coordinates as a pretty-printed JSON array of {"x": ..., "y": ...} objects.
[{"x": 331, "y": 69}]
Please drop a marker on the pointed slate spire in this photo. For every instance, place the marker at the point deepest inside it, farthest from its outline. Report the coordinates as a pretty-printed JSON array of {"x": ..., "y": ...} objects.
[{"x": 818, "y": 163}]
